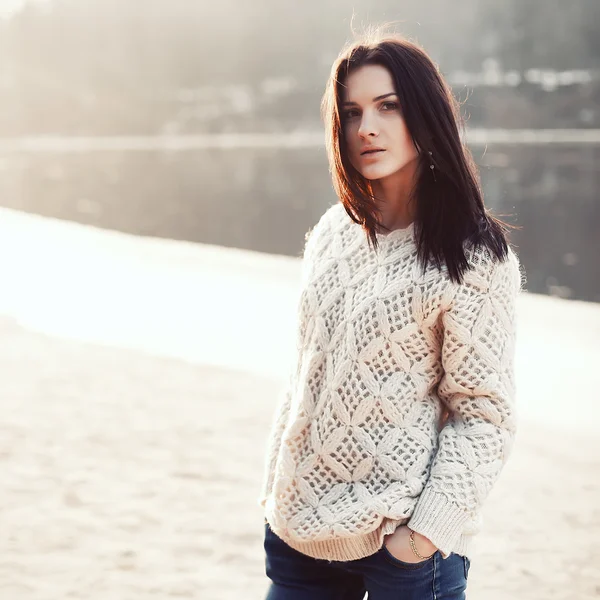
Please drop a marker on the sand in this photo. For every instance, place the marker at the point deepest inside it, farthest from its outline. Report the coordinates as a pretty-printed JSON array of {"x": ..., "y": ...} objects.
[{"x": 133, "y": 427}]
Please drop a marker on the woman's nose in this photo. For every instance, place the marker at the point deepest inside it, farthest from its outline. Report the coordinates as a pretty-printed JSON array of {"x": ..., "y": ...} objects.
[{"x": 368, "y": 126}]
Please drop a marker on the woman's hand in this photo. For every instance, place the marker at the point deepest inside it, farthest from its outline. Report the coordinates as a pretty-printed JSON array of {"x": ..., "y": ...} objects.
[{"x": 398, "y": 544}]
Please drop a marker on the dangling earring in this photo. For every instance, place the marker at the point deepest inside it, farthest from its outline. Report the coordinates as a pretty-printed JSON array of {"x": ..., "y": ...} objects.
[{"x": 432, "y": 166}]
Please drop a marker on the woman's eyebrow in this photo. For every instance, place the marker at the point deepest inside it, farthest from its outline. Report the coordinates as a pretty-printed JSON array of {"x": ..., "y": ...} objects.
[{"x": 374, "y": 99}]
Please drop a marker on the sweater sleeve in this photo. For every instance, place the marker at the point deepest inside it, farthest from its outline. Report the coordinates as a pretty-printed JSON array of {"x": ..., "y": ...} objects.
[
  {"x": 273, "y": 443},
  {"x": 478, "y": 388},
  {"x": 280, "y": 418}
]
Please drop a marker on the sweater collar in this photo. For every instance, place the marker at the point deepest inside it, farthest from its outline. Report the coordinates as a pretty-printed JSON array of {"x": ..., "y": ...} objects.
[
  {"x": 396, "y": 234},
  {"x": 384, "y": 239}
]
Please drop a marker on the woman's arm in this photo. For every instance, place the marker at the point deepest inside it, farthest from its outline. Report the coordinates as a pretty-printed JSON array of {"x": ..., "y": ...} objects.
[
  {"x": 281, "y": 414},
  {"x": 273, "y": 443},
  {"x": 478, "y": 389}
]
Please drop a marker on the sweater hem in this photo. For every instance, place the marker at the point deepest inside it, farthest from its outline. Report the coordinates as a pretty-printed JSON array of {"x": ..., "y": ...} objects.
[
  {"x": 345, "y": 549},
  {"x": 360, "y": 546}
]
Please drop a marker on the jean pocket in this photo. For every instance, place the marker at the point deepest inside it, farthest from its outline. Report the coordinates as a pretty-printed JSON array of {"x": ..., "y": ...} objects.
[
  {"x": 401, "y": 564},
  {"x": 467, "y": 564}
]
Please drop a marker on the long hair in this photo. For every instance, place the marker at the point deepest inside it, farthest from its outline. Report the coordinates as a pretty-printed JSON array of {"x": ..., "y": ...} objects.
[{"x": 450, "y": 214}]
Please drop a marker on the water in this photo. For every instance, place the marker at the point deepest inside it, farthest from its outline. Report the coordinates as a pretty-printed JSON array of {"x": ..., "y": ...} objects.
[{"x": 264, "y": 196}]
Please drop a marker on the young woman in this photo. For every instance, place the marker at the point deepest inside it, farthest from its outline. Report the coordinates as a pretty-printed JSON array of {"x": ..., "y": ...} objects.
[{"x": 399, "y": 413}]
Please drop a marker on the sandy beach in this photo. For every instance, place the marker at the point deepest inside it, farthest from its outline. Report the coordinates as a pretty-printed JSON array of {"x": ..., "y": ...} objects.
[{"x": 135, "y": 412}]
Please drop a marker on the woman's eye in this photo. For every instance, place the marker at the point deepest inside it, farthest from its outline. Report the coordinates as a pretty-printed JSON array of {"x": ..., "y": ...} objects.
[{"x": 387, "y": 106}]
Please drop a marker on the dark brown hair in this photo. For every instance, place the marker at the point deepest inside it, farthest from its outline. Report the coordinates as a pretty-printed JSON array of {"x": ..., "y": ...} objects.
[{"x": 450, "y": 213}]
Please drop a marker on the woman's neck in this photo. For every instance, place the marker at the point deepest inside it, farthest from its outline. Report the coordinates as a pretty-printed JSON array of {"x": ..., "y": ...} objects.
[{"x": 393, "y": 195}]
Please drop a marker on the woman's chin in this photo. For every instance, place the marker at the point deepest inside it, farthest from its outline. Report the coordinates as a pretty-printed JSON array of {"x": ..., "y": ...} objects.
[
  {"x": 376, "y": 173},
  {"x": 373, "y": 172}
]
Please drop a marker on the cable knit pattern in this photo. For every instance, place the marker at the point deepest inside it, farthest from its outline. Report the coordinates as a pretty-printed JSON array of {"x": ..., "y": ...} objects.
[{"x": 361, "y": 441}]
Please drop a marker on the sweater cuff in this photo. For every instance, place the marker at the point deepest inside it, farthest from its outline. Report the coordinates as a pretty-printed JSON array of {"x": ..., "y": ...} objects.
[{"x": 439, "y": 520}]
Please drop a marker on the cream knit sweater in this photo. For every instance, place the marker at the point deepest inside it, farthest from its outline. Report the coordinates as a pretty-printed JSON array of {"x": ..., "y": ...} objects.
[{"x": 359, "y": 444}]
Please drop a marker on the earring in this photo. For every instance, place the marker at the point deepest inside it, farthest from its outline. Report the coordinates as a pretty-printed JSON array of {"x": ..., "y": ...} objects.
[{"x": 432, "y": 166}]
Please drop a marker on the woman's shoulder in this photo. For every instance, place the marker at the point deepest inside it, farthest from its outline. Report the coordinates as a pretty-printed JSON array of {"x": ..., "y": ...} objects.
[
  {"x": 330, "y": 216},
  {"x": 486, "y": 266},
  {"x": 328, "y": 221}
]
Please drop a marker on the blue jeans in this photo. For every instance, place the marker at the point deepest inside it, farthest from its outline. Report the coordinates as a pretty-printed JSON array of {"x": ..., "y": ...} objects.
[{"x": 295, "y": 576}]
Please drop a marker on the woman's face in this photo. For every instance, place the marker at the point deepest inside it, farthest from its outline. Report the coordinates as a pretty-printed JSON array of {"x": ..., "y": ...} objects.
[{"x": 371, "y": 118}]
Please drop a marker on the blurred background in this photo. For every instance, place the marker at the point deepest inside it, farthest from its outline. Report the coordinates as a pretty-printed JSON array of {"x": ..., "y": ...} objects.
[
  {"x": 160, "y": 164},
  {"x": 90, "y": 89}
]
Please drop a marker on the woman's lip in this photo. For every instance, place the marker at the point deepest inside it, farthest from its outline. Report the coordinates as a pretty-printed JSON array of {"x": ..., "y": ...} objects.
[{"x": 373, "y": 153}]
